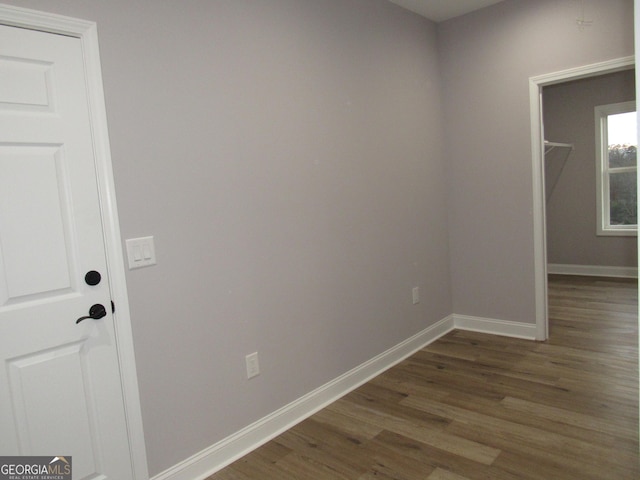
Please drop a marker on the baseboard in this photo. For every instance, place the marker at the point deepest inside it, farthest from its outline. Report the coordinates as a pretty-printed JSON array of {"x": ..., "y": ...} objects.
[
  {"x": 505, "y": 328},
  {"x": 221, "y": 454},
  {"x": 592, "y": 270}
]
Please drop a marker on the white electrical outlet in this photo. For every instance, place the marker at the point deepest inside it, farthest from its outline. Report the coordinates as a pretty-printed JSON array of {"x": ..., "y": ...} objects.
[
  {"x": 253, "y": 367},
  {"x": 416, "y": 295}
]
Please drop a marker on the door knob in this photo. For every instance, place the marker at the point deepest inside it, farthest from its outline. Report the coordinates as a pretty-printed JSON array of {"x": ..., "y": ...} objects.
[
  {"x": 92, "y": 278},
  {"x": 96, "y": 312}
]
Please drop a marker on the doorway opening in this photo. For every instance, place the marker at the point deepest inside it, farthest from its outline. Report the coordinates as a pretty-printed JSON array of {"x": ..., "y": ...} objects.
[{"x": 536, "y": 86}]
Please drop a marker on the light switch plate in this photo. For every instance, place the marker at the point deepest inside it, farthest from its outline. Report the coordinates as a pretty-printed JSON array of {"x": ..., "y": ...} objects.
[
  {"x": 253, "y": 367},
  {"x": 141, "y": 252}
]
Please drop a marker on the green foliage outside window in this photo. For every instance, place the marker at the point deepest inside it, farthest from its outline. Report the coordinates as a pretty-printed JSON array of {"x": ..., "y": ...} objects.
[{"x": 623, "y": 191}]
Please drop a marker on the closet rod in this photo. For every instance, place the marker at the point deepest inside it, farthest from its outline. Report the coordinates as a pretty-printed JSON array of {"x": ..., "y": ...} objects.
[{"x": 548, "y": 146}]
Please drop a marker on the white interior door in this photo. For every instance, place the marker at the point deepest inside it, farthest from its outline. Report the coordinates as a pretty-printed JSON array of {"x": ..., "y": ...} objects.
[{"x": 60, "y": 384}]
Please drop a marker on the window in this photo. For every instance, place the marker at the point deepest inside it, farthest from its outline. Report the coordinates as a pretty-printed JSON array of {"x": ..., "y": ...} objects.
[{"x": 616, "y": 151}]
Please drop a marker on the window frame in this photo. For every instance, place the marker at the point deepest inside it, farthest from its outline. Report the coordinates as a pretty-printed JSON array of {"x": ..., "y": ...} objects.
[{"x": 603, "y": 171}]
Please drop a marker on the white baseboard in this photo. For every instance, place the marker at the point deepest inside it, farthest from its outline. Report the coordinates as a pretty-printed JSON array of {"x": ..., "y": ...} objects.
[
  {"x": 592, "y": 270},
  {"x": 221, "y": 454},
  {"x": 505, "y": 328},
  {"x": 228, "y": 450}
]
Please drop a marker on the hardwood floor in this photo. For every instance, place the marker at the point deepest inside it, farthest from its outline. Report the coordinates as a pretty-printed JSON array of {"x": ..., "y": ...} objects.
[{"x": 476, "y": 406}]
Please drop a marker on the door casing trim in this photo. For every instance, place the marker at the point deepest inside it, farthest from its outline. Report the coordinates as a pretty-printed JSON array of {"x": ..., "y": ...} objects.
[{"x": 87, "y": 32}]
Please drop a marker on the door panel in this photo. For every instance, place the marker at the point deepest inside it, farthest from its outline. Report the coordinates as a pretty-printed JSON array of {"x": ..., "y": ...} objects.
[
  {"x": 60, "y": 388},
  {"x": 33, "y": 177},
  {"x": 25, "y": 84},
  {"x": 39, "y": 415}
]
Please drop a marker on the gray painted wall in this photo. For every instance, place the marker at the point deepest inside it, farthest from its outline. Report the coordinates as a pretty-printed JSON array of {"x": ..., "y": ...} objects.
[
  {"x": 571, "y": 209},
  {"x": 487, "y": 58},
  {"x": 287, "y": 157}
]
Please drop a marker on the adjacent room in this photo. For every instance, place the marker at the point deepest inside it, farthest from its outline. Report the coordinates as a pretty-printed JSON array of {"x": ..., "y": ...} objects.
[{"x": 347, "y": 277}]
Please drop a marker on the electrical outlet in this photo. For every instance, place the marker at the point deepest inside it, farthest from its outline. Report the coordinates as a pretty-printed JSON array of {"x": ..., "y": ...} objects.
[
  {"x": 253, "y": 367},
  {"x": 416, "y": 295}
]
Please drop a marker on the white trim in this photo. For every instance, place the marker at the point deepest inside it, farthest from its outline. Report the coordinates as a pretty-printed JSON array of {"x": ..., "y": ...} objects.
[
  {"x": 593, "y": 270},
  {"x": 493, "y": 326},
  {"x": 539, "y": 220},
  {"x": 537, "y": 151},
  {"x": 87, "y": 33},
  {"x": 221, "y": 454}
]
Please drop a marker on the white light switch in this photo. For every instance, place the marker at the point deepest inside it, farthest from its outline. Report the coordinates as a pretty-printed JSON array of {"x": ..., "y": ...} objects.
[
  {"x": 415, "y": 292},
  {"x": 141, "y": 252},
  {"x": 253, "y": 367}
]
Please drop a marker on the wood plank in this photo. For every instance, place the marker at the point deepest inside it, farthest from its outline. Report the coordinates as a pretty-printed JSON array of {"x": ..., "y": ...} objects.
[
  {"x": 615, "y": 423},
  {"x": 434, "y": 457},
  {"x": 441, "y": 474},
  {"x": 427, "y": 434}
]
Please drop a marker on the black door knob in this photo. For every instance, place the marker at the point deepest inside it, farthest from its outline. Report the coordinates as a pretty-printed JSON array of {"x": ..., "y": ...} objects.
[
  {"x": 92, "y": 278},
  {"x": 96, "y": 312}
]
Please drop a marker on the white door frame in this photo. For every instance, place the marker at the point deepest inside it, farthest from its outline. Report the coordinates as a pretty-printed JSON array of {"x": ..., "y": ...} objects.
[
  {"x": 537, "y": 148},
  {"x": 87, "y": 33}
]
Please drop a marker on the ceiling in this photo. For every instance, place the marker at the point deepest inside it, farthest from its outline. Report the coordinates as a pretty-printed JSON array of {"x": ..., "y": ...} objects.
[{"x": 439, "y": 10}]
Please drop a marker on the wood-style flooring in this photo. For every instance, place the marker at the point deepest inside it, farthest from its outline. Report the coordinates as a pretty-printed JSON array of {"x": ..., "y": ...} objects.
[{"x": 473, "y": 406}]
